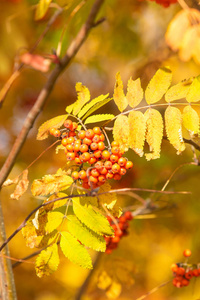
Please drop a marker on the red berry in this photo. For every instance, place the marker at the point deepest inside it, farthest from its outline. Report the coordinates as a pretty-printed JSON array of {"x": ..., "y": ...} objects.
[{"x": 187, "y": 252}]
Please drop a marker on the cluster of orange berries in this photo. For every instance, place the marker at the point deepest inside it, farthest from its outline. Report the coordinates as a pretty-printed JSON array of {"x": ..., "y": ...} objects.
[
  {"x": 120, "y": 230},
  {"x": 183, "y": 272},
  {"x": 87, "y": 146}
]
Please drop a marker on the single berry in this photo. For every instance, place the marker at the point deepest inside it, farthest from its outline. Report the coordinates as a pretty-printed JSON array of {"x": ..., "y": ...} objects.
[{"x": 187, "y": 252}]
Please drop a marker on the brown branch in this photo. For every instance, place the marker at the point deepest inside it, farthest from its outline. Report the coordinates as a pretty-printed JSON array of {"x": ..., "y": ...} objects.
[{"x": 45, "y": 92}]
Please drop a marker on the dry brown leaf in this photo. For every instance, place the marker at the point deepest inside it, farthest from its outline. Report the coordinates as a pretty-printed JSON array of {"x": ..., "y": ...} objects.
[{"x": 21, "y": 186}]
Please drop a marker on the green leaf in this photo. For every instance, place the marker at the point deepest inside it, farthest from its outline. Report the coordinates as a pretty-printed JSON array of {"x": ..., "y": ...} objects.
[
  {"x": 57, "y": 122},
  {"x": 47, "y": 261},
  {"x": 158, "y": 85},
  {"x": 54, "y": 219},
  {"x": 193, "y": 94},
  {"x": 91, "y": 218},
  {"x": 93, "y": 105},
  {"x": 119, "y": 96},
  {"x": 83, "y": 97},
  {"x": 41, "y": 9},
  {"x": 98, "y": 118},
  {"x": 178, "y": 91},
  {"x": 134, "y": 92},
  {"x": 50, "y": 184},
  {"x": 84, "y": 235},
  {"x": 74, "y": 251}
]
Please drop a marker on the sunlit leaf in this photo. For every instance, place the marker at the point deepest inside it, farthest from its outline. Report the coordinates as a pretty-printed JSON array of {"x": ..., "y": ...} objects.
[
  {"x": 193, "y": 94},
  {"x": 134, "y": 92},
  {"x": 55, "y": 204},
  {"x": 99, "y": 118},
  {"x": 69, "y": 108},
  {"x": 191, "y": 120},
  {"x": 42, "y": 8},
  {"x": 173, "y": 126},
  {"x": 119, "y": 96},
  {"x": 121, "y": 131},
  {"x": 50, "y": 184},
  {"x": 83, "y": 97},
  {"x": 47, "y": 261},
  {"x": 137, "y": 131},
  {"x": 158, "y": 85},
  {"x": 54, "y": 219},
  {"x": 86, "y": 236},
  {"x": 91, "y": 218},
  {"x": 178, "y": 91},
  {"x": 57, "y": 122},
  {"x": 154, "y": 132},
  {"x": 74, "y": 251},
  {"x": 93, "y": 105},
  {"x": 189, "y": 39},
  {"x": 21, "y": 187}
]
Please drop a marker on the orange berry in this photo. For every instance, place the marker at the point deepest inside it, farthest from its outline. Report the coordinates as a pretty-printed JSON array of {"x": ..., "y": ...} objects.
[
  {"x": 74, "y": 126},
  {"x": 83, "y": 148},
  {"x": 89, "y": 134},
  {"x": 95, "y": 172},
  {"x": 70, "y": 140},
  {"x": 57, "y": 133},
  {"x": 64, "y": 141},
  {"x": 185, "y": 282},
  {"x": 108, "y": 164},
  {"x": 87, "y": 141},
  {"x": 52, "y": 130},
  {"x": 128, "y": 215},
  {"x": 70, "y": 156},
  {"x": 93, "y": 179},
  {"x": 77, "y": 147},
  {"x": 101, "y": 146},
  {"x": 174, "y": 268},
  {"x": 115, "y": 168},
  {"x": 78, "y": 161},
  {"x": 97, "y": 130},
  {"x": 115, "y": 150},
  {"x": 68, "y": 124},
  {"x": 75, "y": 175},
  {"x": 92, "y": 160},
  {"x": 115, "y": 144},
  {"x": 81, "y": 134},
  {"x": 94, "y": 146},
  {"x": 122, "y": 161},
  {"x": 85, "y": 185},
  {"x": 122, "y": 171},
  {"x": 188, "y": 274},
  {"x": 72, "y": 133},
  {"x": 82, "y": 174},
  {"x": 187, "y": 252},
  {"x": 102, "y": 178},
  {"x": 105, "y": 154},
  {"x": 97, "y": 153},
  {"x": 129, "y": 164},
  {"x": 102, "y": 137},
  {"x": 109, "y": 175},
  {"x": 114, "y": 158},
  {"x": 195, "y": 272},
  {"x": 103, "y": 171},
  {"x": 70, "y": 148},
  {"x": 180, "y": 271},
  {"x": 99, "y": 165},
  {"x": 85, "y": 156},
  {"x": 117, "y": 176},
  {"x": 96, "y": 138},
  {"x": 115, "y": 239}
]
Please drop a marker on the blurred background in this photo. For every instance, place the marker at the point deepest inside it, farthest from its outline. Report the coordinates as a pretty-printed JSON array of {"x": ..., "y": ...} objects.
[{"x": 130, "y": 40}]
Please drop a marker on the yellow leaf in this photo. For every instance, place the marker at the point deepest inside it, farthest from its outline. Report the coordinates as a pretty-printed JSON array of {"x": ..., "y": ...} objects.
[
  {"x": 173, "y": 126},
  {"x": 178, "y": 91},
  {"x": 54, "y": 219},
  {"x": 42, "y": 8},
  {"x": 137, "y": 131},
  {"x": 191, "y": 120},
  {"x": 134, "y": 92},
  {"x": 193, "y": 94},
  {"x": 158, "y": 85},
  {"x": 50, "y": 184},
  {"x": 121, "y": 131},
  {"x": 47, "y": 261},
  {"x": 83, "y": 97},
  {"x": 154, "y": 132},
  {"x": 119, "y": 96},
  {"x": 55, "y": 204},
  {"x": 57, "y": 122},
  {"x": 21, "y": 187},
  {"x": 98, "y": 118}
]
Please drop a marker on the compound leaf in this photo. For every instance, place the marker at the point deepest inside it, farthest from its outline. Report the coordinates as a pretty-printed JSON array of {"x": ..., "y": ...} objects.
[
  {"x": 57, "y": 122},
  {"x": 74, "y": 251},
  {"x": 121, "y": 131},
  {"x": 47, "y": 261},
  {"x": 86, "y": 236},
  {"x": 173, "y": 126},
  {"x": 83, "y": 97},
  {"x": 137, "y": 131},
  {"x": 158, "y": 85},
  {"x": 178, "y": 91},
  {"x": 91, "y": 218},
  {"x": 154, "y": 132},
  {"x": 99, "y": 118},
  {"x": 193, "y": 94},
  {"x": 50, "y": 184},
  {"x": 134, "y": 92},
  {"x": 190, "y": 120},
  {"x": 42, "y": 8},
  {"x": 119, "y": 96},
  {"x": 93, "y": 105}
]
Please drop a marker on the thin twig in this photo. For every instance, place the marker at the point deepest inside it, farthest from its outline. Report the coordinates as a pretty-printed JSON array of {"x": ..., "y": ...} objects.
[{"x": 154, "y": 290}]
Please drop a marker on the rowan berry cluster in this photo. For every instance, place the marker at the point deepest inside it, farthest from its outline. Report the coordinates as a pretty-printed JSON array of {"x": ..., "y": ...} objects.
[
  {"x": 96, "y": 162},
  {"x": 165, "y": 3},
  {"x": 183, "y": 272},
  {"x": 120, "y": 230}
]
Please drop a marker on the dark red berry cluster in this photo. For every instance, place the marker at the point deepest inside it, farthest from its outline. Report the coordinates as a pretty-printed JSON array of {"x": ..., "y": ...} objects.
[
  {"x": 120, "y": 230},
  {"x": 183, "y": 272},
  {"x": 165, "y": 3},
  {"x": 88, "y": 147}
]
